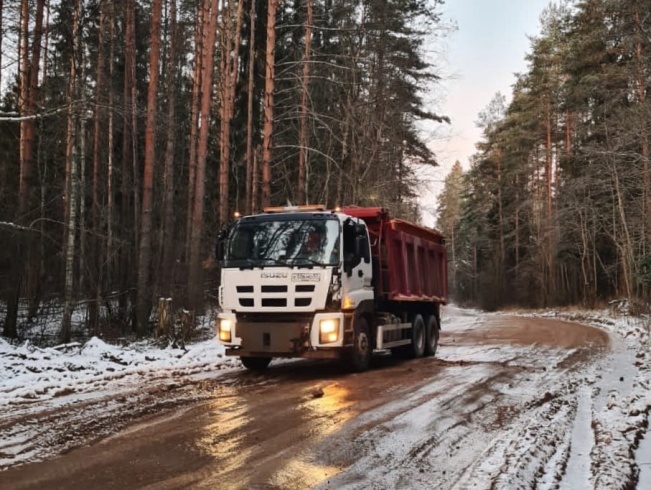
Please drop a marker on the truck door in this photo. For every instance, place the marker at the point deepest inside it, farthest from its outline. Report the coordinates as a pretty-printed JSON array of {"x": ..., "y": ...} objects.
[{"x": 358, "y": 272}]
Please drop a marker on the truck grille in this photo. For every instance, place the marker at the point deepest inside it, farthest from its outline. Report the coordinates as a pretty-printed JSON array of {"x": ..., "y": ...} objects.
[
  {"x": 271, "y": 296},
  {"x": 278, "y": 302}
]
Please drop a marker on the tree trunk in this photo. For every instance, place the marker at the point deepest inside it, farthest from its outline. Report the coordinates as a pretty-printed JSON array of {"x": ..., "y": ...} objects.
[
  {"x": 33, "y": 285},
  {"x": 110, "y": 178},
  {"x": 195, "y": 289},
  {"x": 269, "y": 102},
  {"x": 144, "y": 259},
  {"x": 83, "y": 236},
  {"x": 25, "y": 265},
  {"x": 46, "y": 32},
  {"x": 23, "y": 58},
  {"x": 200, "y": 32},
  {"x": 167, "y": 232},
  {"x": 127, "y": 182},
  {"x": 255, "y": 192},
  {"x": 344, "y": 159},
  {"x": 28, "y": 93},
  {"x": 251, "y": 180},
  {"x": 642, "y": 82},
  {"x": 625, "y": 249},
  {"x": 500, "y": 206},
  {"x": 517, "y": 226},
  {"x": 549, "y": 272},
  {"x": 95, "y": 201},
  {"x": 1, "y": 35},
  {"x": 302, "y": 156},
  {"x": 71, "y": 159},
  {"x": 230, "y": 57}
]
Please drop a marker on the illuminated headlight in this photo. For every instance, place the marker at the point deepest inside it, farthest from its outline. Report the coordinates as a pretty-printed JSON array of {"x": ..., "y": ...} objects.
[
  {"x": 328, "y": 331},
  {"x": 225, "y": 326}
]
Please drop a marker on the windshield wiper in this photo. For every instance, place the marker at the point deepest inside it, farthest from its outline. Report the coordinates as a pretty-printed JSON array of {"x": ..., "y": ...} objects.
[
  {"x": 249, "y": 263},
  {"x": 310, "y": 262},
  {"x": 275, "y": 261},
  {"x": 259, "y": 262}
]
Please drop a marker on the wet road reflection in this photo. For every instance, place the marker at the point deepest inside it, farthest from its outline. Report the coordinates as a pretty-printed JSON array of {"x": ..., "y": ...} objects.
[
  {"x": 295, "y": 425},
  {"x": 260, "y": 431}
]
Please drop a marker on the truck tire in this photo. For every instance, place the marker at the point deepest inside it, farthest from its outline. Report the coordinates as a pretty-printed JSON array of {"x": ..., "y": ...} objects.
[
  {"x": 360, "y": 356},
  {"x": 255, "y": 363},
  {"x": 418, "y": 337},
  {"x": 431, "y": 336}
]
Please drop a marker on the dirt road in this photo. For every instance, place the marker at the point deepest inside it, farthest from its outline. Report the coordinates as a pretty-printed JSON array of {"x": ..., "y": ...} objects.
[{"x": 425, "y": 423}]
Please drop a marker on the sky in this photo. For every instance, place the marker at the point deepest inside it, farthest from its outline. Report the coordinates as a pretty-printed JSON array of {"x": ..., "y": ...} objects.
[{"x": 481, "y": 57}]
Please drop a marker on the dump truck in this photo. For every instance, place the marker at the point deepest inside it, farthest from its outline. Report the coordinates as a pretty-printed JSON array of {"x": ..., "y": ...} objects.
[{"x": 308, "y": 282}]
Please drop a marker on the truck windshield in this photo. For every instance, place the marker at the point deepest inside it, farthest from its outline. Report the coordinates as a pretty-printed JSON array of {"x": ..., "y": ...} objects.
[{"x": 283, "y": 242}]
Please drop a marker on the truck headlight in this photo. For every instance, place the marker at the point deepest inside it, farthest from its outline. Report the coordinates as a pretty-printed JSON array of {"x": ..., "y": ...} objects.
[
  {"x": 225, "y": 326},
  {"x": 328, "y": 330}
]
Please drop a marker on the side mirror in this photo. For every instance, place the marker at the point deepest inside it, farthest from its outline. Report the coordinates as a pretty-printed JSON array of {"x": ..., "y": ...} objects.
[
  {"x": 359, "y": 246},
  {"x": 348, "y": 267},
  {"x": 362, "y": 248},
  {"x": 222, "y": 237},
  {"x": 220, "y": 250}
]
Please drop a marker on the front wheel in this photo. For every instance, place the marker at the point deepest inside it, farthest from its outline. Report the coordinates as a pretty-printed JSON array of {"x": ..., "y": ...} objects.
[
  {"x": 360, "y": 356},
  {"x": 255, "y": 363}
]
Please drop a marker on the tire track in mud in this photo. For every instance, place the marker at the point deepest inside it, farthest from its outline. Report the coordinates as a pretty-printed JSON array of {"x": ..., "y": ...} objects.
[
  {"x": 49, "y": 432},
  {"x": 447, "y": 422},
  {"x": 489, "y": 407},
  {"x": 62, "y": 429},
  {"x": 538, "y": 451},
  {"x": 445, "y": 438},
  {"x": 37, "y": 433}
]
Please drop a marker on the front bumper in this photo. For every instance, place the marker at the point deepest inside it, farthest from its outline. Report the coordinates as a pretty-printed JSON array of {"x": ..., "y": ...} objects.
[{"x": 282, "y": 339}]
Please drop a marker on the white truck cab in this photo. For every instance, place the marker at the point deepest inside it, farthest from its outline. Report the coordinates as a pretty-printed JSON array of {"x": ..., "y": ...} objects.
[{"x": 291, "y": 280}]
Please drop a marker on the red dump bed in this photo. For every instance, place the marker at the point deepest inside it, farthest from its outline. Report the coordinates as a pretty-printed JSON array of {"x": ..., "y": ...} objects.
[{"x": 410, "y": 260}]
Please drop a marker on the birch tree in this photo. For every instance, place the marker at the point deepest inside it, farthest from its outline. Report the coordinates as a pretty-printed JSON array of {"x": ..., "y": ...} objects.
[{"x": 72, "y": 167}]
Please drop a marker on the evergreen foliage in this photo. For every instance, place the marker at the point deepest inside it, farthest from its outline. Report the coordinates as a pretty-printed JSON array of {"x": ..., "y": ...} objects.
[
  {"x": 556, "y": 206},
  {"x": 368, "y": 73}
]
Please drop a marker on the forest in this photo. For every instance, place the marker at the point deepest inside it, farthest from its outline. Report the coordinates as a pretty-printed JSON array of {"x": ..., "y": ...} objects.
[
  {"x": 555, "y": 208},
  {"x": 131, "y": 131}
]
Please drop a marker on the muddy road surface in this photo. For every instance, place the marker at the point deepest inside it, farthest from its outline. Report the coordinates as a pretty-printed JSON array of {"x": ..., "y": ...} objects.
[{"x": 459, "y": 420}]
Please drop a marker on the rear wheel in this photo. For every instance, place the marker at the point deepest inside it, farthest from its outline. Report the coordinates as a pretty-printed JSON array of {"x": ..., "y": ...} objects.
[
  {"x": 417, "y": 337},
  {"x": 255, "y": 363},
  {"x": 431, "y": 336},
  {"x": 360, "y": 356}
]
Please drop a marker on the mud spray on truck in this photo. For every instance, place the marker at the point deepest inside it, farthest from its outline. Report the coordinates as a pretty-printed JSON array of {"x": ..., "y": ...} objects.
[{"x": 312, "y": 283}]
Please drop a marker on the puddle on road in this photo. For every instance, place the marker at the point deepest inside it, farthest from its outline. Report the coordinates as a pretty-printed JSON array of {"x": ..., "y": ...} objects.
[
  {"x": 531, "y": 331},
  {"x": 265, "y": 434}
]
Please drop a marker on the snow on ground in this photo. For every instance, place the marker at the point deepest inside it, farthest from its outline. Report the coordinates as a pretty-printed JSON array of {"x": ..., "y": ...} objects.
[
  {"x": 579, "y": 429},
  {"x": 48, "y": 395},
  {"x": 34, "y": 376},
  {"x": 551, "y": 427},
  {"x": 621, "y": 401}
]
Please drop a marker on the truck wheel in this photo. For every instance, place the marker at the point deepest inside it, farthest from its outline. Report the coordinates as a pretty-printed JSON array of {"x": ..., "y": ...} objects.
[
  {"x": 360, "y": 356},
  {"x": 417, "y": 337},
  {"x": 431, "y": 336},
  {"x": 255, "y": 363}
]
